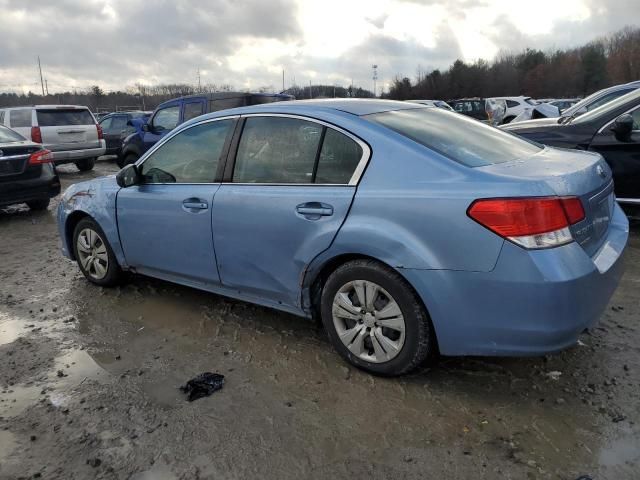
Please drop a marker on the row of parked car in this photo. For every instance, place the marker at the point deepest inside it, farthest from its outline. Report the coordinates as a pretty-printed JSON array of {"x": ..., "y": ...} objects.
[{"x": 72, "y": 135}]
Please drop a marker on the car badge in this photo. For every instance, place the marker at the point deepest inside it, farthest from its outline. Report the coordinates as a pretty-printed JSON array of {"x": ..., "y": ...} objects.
[{"x": 601, "y": 171}]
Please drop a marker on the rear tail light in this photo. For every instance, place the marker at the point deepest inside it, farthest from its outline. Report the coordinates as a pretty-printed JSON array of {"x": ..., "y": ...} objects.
[
  {"x": 40, "y": 157},
  {"x": 36, "y": 135},
  {"x": 100, "y": 134},
  {"x": 539, "y": 222}
]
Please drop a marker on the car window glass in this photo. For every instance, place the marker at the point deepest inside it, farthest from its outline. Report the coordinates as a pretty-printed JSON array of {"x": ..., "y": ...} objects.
[
  {"x": 2, "y": 116},
  {"x": 119, "y": 123},
  {"x": 59, "y": 117},
  {"x": 511, "y": 104},
  {"x": 606, "y": 98},
  {"x": 8, "y": 136},
  {"x": 105, "y": 123},
  {"x": 339, "y": 158},
  {"x": 474, "y": 144},
  {"x": 607, "y": 108},
  {"x": 277, "y": 150},
  {"x": 20, "y": 118},
  {"x": 192, "y": 156},
  {"x": 167, "y": 118},
  {"x": 636, "y": 119},
  {"x": 192, "y": 110}
]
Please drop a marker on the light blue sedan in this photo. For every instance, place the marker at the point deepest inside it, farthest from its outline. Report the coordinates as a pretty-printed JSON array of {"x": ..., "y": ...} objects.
[{"x": 408, "y": 230}]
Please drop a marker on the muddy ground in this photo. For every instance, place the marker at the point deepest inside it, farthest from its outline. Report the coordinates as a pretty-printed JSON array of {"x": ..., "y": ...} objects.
[{"x": 89, "y": 377}]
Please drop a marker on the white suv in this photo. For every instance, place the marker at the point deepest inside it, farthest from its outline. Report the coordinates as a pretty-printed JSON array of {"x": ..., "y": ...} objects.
[
  {"x": 69, "y": 131},
  {"x": 515, "y": 106}
]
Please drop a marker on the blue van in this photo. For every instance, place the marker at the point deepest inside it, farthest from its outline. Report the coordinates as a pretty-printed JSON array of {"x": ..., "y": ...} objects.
[{"x": 172, "y": 113}]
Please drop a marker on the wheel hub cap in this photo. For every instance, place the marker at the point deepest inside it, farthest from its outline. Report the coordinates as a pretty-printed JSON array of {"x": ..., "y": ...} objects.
[
  {"x": 368, "y": 321},
  {"x": 92, "y": 253}
]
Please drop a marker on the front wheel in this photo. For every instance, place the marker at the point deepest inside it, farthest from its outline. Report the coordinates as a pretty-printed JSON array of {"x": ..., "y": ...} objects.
[
  {"x": 94, "y": 255},
  {"x": 375, "y": 320},
  {"x": 86, "y": 164}
]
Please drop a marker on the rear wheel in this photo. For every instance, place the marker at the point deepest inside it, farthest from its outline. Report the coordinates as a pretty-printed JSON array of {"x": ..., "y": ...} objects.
[
  {"x": 375, "y": 320},
  {"x": 94, "y": 255},
  {"x": 86, "y": 164},
  {"x": 40, "y": 204}
]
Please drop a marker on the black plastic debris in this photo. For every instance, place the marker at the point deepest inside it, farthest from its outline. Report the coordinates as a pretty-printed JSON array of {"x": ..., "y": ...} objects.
[{"x": 203, "y": 385}]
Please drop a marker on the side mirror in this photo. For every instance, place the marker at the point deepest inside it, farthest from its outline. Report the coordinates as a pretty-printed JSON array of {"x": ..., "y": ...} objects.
[
  {"x": 128, "y": 176},
  {"x": 622, "y": 127},
  {"x": 146, "y": 127}
]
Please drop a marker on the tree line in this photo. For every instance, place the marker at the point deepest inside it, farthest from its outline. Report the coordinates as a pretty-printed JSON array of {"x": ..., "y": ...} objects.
[
  {"x": 145, "y": 97},
  {"x": 574, "y": 72}
]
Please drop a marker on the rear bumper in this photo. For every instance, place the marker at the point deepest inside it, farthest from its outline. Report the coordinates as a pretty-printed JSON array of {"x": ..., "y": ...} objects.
[
  {"x": 47, "y": 185},
  {"x": 534, "y": 302},
  {"x": 69, "y": 156}
]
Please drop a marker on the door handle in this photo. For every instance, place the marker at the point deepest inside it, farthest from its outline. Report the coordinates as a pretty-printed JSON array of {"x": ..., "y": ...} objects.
[
  {"x": 315, "y": 209},
  {"x": 194, "y": 204}
]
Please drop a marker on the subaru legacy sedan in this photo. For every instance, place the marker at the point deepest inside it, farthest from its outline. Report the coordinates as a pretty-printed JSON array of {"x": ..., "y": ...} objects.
[{"x": 408, "y": 230}]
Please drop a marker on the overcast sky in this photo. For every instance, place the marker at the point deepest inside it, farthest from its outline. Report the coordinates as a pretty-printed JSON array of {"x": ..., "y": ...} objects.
[{"x": 247, "y": 43}]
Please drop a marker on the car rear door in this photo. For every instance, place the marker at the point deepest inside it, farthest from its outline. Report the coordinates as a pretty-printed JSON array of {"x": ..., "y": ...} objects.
[
  {"x": 165, "y": 222},
  {"x": 287, "y": 190},
  {"x": 67, "y": 128},
  {"x": 623, "y": 157}
]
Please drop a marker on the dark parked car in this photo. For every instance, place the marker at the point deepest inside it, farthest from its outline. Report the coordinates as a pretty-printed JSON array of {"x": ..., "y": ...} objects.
[
  {"x": 27, "y": 172},
  {"x": 612, "y": 130},
  {"x": 172, "y": 113},
  {"x": 117, "y": 126},
  {"x": 471, "y": 107}
]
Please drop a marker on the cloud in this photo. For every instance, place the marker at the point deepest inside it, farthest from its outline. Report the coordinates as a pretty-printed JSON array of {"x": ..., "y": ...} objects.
[{"x": 246, "y": 43}]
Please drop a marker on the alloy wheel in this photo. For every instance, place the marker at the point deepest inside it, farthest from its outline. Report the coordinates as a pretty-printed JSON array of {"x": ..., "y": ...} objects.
[{"x": 92, "y": 253}]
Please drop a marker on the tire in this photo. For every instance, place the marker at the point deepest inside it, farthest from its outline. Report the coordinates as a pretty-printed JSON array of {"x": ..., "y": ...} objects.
[
  {"x": 108, "y": 275},
  {"x": 86, "y": 164},
  {"x": 129, "y": 158},
  {"x": 401, "y": 352},
  {"x": 40, "y": 204}
]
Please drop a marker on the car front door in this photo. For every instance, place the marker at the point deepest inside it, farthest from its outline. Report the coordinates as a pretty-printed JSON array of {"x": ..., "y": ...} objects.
[
  {"x": 112, "y": 128},
  {"x": 162, "y": 122},
  {"x": 623, "y": 157},
  {"x": 287, "y": 191},
  {"x": 165, "y": 221}
]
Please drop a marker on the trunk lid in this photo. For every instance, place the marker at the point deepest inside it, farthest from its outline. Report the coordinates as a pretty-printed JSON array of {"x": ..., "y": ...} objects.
[
  {"x": 14, "y": 158},
  {"x": 67, "y": 128},
  {"x": 571, "y": 173}
]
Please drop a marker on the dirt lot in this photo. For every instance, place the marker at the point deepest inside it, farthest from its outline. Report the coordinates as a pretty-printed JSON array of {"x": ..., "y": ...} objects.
[{"x": 89, "y": 377}]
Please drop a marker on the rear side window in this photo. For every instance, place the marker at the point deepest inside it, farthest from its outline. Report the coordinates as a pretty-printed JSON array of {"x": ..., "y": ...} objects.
[
  {"x": 339, "y": 158},
  {"x": 192, "y": 156},
  {"x": 20, "y": 118},
  {"x": 9, "y": 136},
  {"x": 462, "y": 139},
  {"x": 60, "y": 117},
  {"x": 277, "y": 150},
  {"x": 512, "y": 103},
  {"x": 192, "y": 110}
]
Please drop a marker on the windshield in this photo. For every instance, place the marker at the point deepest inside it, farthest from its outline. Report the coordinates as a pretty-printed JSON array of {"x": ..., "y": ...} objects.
[
  {"x": 605, "y": 109},
  {"x": 460, "y": 138},
  {"x": 593, "y": 101},
  {"x": 9, "y": 136}
]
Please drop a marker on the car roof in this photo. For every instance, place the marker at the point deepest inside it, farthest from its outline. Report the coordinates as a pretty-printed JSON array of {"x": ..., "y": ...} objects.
[
  {"x": 353, "y": 106},
  {"x": 46, "y": 106}
]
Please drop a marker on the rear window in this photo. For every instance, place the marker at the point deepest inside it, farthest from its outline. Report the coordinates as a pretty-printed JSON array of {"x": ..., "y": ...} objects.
[
  {"x": 460, "y": 138},
  {"x": 9, "y": 136},
  {"x": 60, "y": 117},
  {"x": 20, "y": 118}
]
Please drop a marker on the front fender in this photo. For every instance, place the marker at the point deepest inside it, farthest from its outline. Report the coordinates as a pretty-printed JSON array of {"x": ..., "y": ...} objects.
[{"x": 96, "y": 199}]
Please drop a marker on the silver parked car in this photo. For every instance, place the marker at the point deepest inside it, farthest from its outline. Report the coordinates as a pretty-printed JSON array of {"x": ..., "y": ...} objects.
[{"x": 70, "y": 132}]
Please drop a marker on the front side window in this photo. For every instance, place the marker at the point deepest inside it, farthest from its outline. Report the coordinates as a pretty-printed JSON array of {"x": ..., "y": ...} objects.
[
  {"x": 277, "y": 150},
  {"x": 105, "y": 123},
  {"x": 192, "y": 156},
  {"x": 20, "y": 118},
  {"x": 192, "y": 110},
  {"x": 636, "y": 119},
  {"x": 460, "y": 138},
  {"x": 167, "y": 118}
]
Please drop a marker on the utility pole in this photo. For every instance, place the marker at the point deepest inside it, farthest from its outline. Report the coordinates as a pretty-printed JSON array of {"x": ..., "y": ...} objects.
[
  {"x": 199, "y": 86},
  {"x": 375, "y": 78},
  {"x": 41, "y": 81},
  {"x": 310, "y": 94},
  {"x": 46, "y": 86},
  {"x": 283, "y": 79}
]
